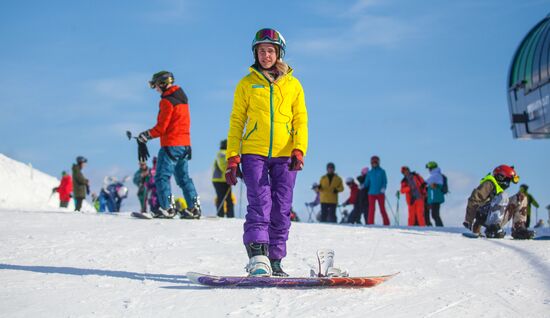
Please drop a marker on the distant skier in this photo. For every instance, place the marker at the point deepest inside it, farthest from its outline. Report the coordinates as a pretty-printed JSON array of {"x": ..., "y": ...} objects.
[
  {"x": 311, "y": 205},
  {"x": 223, "y": 190},
  {"x": 330, "y": 185},
  {"x": 112, "y": 194},
  {"x": 489, "y": 197},
  {"x": 173, "y": 128},
  {"x": 376, "y": 181},
  {"x": 355, "y": 214},
  {"x": 317, "y": 200},
  {"x": 530, "y": 201},
  {"x": 269, "y": 103},
  {"x": 363, "y": 195},
  {"x": 65, "y": 189},
  {"x": 414, "y": 188},
  {"x": 436, "y": 193},
  {"x": 517, "y": 209},
  {"x": 141, "y": 176},
  {"x": 81, "y": 185},
  {"x": 152, "y": 189}
]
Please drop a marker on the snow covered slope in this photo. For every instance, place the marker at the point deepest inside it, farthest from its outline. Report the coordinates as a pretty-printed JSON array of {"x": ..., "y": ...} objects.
[
  {"x": 102, "y": 265},
  {"x": 25, "y": 188}
]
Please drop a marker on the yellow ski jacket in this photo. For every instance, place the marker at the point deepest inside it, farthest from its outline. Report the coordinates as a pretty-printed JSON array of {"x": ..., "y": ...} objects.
[{"x": 273, "y": 117}]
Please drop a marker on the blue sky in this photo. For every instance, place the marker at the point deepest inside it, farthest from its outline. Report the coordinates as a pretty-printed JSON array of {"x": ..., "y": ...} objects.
[{"x": 410, "y": 81}]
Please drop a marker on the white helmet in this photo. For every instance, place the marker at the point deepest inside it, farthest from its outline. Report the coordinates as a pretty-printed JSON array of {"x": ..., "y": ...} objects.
[
  {"x": 122, "y": 192},
  {"x": 349, "y": 180}
]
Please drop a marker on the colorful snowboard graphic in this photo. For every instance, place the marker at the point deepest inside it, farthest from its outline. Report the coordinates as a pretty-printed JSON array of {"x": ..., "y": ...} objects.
[{"x": 235, "y": 281}]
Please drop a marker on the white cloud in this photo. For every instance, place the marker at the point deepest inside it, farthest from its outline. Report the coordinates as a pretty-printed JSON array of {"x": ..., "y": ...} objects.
[
  {"x": 364, "y": 29},
  {"x": 169, "y": 11},
  {"x": 127, "y": 88}
]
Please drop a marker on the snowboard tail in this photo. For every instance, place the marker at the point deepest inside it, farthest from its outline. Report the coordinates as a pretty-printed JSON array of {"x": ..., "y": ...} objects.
[
  {"x": 235, "y": 281},
  {"x": 140, "y": 215}
]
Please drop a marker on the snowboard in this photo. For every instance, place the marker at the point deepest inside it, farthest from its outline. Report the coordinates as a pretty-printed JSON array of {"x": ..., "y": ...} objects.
[
  {"x": 286, "y": 282},
  {"x": 140, "y": 215},
  {"x": 471, "y": 235},
  {"x": 149, "y": 216},
  {"x": 542, "y": 238}
]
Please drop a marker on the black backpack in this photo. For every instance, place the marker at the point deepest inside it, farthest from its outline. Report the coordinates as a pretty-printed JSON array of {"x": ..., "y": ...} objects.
[{"x": 445, "y": 188}]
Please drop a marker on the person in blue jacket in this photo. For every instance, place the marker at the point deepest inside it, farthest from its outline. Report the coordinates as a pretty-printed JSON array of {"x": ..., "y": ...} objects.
[
  {"x": 435, "y": 192},
  {"x": 376, "y": 181}
]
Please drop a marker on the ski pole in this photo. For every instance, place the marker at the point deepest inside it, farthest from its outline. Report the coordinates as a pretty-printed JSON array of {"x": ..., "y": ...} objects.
[
  {"x": 223, "y": 200},
  {"x": 391, "y": 210},
  {"x": 397, "y": 208}
]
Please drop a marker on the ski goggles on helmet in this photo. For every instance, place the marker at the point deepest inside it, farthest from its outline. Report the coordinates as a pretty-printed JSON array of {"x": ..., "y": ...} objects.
[
  {"x": 515, "y": 179},
  {"x": 267, "y": 34},
  {"x": 270, "y": 36}
]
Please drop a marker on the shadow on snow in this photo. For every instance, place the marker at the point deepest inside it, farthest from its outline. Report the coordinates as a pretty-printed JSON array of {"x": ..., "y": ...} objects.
[{"x": 164, "y": 278}]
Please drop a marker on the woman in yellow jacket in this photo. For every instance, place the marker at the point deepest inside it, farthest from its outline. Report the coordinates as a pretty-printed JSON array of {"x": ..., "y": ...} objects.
[{"x": 268, "y": 136}]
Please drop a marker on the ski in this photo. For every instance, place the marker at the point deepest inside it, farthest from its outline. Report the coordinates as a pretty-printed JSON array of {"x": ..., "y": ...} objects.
[{"x": 286, "y": 282}]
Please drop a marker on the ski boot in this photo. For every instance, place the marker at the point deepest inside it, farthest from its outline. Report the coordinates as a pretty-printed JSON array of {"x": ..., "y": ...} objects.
[
  {"x": 523, "y": 233},
  {"x": 277, "y": 269},
  {"x": 258, "y": 264},
  {"x": 166, "y": 213},
  {"x": 494, "y": 231},
  {"x": 193, "y": 212}
]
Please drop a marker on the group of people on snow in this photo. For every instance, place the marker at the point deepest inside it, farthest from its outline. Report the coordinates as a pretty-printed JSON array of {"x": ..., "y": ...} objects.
[
  {"x": 75, "y": 186},
  {"x": 423, "y": 197},
  {"x": 490, "y": 207}
]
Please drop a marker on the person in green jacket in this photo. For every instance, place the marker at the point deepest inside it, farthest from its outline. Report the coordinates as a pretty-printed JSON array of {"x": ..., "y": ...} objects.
[
  {"x": 530, "y": 201},
  {"x": 223, "y": 190},
  {"x": 141, "y": 177},
  {"x": 81, "y": 185}
]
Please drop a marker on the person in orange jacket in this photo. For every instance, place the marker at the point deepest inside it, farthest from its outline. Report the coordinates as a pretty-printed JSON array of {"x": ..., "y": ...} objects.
[
  {"x": 414, "y": 187},
  {"x": 64, "y": 189},
  {"x": 173, "y": 128}
]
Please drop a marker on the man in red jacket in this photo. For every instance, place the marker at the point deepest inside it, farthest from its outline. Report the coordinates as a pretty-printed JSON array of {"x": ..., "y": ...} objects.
[
  {"x": 64, "y": 189},
  {"x": 414, "y": 187},
  {"x": 173, "y": 128}
]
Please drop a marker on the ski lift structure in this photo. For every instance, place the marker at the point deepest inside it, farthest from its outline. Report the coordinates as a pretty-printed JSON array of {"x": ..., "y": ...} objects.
[{"x": 529, "y": 84}]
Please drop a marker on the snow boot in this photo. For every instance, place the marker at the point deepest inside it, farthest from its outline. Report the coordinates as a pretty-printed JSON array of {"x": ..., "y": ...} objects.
[
  {"x": 167, "y": 213},
  {"x": 523, "y": 233},
  {"x": 194, "y": 212},
  {"x": 258, "y": 264},
  {"x": 494, "y": 231},
  {"x": 277, "y": 269}
]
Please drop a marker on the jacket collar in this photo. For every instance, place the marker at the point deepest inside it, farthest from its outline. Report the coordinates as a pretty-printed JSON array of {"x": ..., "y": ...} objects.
[
  {"x": 170, "y": 91},
  {"x": 254, "y": 70}
]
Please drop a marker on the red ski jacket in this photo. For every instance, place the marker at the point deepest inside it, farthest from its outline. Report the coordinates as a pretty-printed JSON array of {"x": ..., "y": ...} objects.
[
  {"x": 173, "y": 120},
  {"x": 420, "y": 185},
  {"x": 353, "y": 192},
  {"x": 65, "y": 188}
]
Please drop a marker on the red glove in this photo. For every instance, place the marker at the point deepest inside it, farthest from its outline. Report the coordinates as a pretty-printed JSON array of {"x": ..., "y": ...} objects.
[
  {"x": 296, "y": 160},
  {"x": 233, "y": 171}
]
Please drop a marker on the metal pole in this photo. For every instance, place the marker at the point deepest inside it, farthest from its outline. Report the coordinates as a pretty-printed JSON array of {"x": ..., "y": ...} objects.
[{"x": 220, "y": 205}]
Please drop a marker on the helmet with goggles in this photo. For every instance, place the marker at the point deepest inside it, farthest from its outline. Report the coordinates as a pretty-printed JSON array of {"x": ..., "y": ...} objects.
[
  {"x": 269, "y": 36},
  {"x": 505, "y": 174},
  {"x": 161, "y": 79}
]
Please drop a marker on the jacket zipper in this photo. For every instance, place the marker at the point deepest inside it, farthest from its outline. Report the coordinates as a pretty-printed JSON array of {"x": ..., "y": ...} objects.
[{"x": 271, "y": 120}]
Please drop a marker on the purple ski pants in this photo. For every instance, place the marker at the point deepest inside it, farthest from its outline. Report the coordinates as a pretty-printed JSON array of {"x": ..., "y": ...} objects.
[{"x": 269, "y": 187}]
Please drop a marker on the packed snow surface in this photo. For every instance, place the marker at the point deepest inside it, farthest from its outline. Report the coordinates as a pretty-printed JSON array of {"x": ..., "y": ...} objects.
[
  {"x": 70, "y": 264},
  {"x": 59, "y": 263}
]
